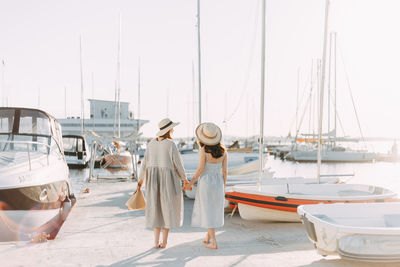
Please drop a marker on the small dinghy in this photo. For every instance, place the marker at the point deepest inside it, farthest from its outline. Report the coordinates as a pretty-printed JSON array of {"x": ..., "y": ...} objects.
[
  {"x": 279, "y": 202},
  {"x": 357, "y": 231}
]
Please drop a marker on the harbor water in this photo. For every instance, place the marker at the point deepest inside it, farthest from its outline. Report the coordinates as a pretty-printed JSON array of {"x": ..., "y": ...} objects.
[{"x": 385, "y": 174}]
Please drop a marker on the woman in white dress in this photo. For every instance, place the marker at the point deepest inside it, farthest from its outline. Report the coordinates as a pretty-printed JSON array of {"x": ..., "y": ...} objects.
[
  {"x": 208, "y": 209},
  {"x": 162, "y": 169}
]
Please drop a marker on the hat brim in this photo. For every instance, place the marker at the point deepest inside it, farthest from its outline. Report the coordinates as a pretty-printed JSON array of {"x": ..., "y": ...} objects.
[
  {"x": 164, "y": 131},
  {"x": 205, "y": 140}
]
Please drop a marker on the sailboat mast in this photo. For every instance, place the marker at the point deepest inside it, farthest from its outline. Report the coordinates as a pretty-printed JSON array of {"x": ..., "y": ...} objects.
[
  {"x": 334, "y": 87},
  {"x": 119, "y": 77},
  {"x": 138, "y": 116},
  {"x": 297, "y": 100},
  {"x": 193, "y": 97},
  {"x": 329, "y": 87},
  {"x": 310, "y": 99},
  {"x": 94, "y": 109},
  {"x": 115, "y": 107},
  {"x": 199, "y": 56},
  {"x": 82, "y": 96},
  {"x": 261, "y": 138},
  {"x": 321, "y": 95}
]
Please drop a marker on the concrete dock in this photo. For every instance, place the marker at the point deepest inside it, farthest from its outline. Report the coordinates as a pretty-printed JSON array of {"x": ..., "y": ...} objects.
[{"x": 101, "y": 231}]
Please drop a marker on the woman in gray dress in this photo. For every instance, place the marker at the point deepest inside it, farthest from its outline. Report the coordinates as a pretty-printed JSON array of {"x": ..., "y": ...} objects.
[
  {"x": 162, "y": 169},
  {"x": 208, "y": 208}
]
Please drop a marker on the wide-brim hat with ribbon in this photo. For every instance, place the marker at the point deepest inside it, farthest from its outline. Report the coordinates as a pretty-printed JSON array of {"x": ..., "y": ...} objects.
[
  {"x": 165, "y": 125},
  {"x": 208, "y": 133}
]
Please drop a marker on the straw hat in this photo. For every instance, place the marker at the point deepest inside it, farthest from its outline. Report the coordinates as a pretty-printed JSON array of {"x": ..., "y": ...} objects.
[
  {"x": 165, "y": 125},
  {"x": 208, "y": 133}
]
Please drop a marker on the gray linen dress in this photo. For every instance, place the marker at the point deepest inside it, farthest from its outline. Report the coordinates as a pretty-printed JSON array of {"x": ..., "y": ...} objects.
[
  {"x": 208, "y": 208},
  {"x": 162, "y": 169}
]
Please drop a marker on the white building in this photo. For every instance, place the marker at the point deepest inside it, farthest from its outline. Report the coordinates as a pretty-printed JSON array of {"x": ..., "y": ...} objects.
[{"x": 103, "y": 120}]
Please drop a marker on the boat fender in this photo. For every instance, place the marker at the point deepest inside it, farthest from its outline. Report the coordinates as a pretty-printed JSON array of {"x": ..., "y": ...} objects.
[{"x": 279, "y": 198}]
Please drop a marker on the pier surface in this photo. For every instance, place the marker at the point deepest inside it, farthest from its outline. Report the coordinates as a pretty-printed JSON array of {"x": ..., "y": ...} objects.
[{"x": 101, "y": 231}]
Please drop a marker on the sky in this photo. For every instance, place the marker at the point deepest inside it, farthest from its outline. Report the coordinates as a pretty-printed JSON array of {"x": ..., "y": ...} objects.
[{"x": 40, "y": 48}]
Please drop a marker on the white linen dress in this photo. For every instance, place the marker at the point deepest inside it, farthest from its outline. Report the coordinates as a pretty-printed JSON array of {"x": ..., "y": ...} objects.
[
  {"x": 163, "y": 171},
  {"x": 208, "y": 209}
]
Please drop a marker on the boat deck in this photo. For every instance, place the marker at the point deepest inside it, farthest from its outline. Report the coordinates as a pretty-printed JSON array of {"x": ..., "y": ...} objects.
[{"x": 100, "y": 231}]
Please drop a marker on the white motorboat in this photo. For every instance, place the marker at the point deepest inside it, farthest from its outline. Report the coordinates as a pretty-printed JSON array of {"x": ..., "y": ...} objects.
[
  {"x": 358, "y": 231},
  {"x": 329, "y": 154},
  {"x": 279, "y": 202},
  {"x": 76, "y": 151},
  {"x": 35, "y": 188},
  {"x": 250, "y": 167}
]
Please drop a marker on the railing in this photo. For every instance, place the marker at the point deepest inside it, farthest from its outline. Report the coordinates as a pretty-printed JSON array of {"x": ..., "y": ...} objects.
[{"x": 28, "y": 143}]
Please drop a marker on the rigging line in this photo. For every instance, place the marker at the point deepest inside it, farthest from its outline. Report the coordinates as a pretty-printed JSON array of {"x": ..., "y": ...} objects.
[
  {"x": 351, "y": 94},
  {"x": 340, "y": 122},
  {"x": 246, "y": 80},
  {"x": 305, "y": 110},
  {"x": 337, "y": 114},
  {"x": 304, "y": 113},
  {"x": 301, "y": 101}
]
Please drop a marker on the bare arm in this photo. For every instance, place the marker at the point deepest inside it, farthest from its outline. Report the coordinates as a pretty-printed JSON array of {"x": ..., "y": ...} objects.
[
  {"x": 225, "y": 167},
  {"x": 142, "y": 171},
  {"x": 200, "y": 168}
]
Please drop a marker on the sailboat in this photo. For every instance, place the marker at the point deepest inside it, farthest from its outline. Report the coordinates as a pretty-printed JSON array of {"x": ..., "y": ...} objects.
[
  {"x": 280, "y": 202},
  {"x": 246, "y": 173},
  {"x": 117, "y": 156},
  {"x": 331, "y": 152}
]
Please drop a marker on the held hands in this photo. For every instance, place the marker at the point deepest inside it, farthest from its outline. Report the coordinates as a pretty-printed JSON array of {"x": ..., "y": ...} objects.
[
  {"x": 187, "y": 185},
  {"x": 139, "y": 185}
]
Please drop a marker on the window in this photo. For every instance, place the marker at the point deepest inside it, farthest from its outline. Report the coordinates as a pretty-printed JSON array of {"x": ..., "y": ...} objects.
[{"x": 6, "y": 121}]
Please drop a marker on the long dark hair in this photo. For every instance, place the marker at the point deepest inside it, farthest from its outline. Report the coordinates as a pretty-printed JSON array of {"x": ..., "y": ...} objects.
[{"x": 216, "y": 151}]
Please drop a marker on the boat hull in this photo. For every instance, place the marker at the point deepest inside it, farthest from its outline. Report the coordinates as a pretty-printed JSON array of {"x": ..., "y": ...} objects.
[
  {"x": 332, "y": 156},
  {"x": 39, "y": 197},
  {"x": 26, "y": 210},
  {"x": 74, "y": 162},
  {"x": 254, "y": 213},
  {"x": 260, "y": 208},
  {"x": 118, "y": 161},
  {"x": 367, "y": 232},
  {"x": 274, "y": 206}
]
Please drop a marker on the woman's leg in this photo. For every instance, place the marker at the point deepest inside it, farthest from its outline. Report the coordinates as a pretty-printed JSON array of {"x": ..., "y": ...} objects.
[
  {"x": 157, "y": 237},
  {"x": 165, "y": 232},
  {"x": 211, "y": 233},
  {"x": 207, "y": 239}
]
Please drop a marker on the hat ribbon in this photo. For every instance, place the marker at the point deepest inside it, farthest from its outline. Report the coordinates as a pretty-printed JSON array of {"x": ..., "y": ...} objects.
[{"x": 165, "y": 126}]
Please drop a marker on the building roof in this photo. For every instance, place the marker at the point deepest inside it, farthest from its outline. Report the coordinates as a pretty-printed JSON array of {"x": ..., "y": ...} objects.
[{"x": 105, "y": 101}]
